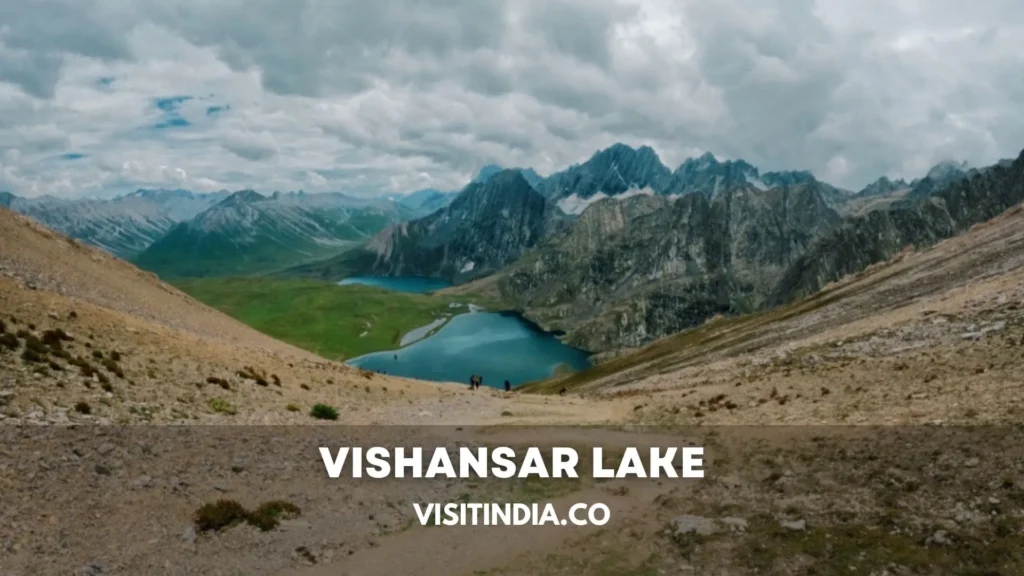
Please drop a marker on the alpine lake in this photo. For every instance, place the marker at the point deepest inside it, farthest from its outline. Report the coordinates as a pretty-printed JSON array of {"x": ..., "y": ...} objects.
[{"x": 498, "y": 346}]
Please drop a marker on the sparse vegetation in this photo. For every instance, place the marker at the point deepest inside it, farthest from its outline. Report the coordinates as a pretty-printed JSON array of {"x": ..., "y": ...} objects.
[
  {"x": 83, "y": 408},
  {"x": 97, "y": 354},
  {"x": 226, "y": 513},
  {"x": 219, "y": 515},
  {"x": 323, "y": 412},
  {"x": 30, "y": 356},
  {"x": 222, "y": 406},
  {"x": 112, "y": 367},
  {"x": 8, "y": 341},
  {"x": 292, "y": 408}
]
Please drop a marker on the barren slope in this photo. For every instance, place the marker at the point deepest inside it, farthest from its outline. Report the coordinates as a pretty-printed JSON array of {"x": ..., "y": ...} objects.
[
  {"x": 171, "y": 347},
  {"x": 930, "y": 335}
]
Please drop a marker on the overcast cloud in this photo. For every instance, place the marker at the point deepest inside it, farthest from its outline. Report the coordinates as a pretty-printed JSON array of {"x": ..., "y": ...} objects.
[{"x": 386, "y": 96}]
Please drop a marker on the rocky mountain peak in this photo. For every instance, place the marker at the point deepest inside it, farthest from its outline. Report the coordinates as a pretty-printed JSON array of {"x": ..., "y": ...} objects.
[{"x": 246, "y": 196}]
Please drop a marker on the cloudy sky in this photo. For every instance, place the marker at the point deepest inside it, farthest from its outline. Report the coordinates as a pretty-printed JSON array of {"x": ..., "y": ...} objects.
[{"x": 386, "y": 96}]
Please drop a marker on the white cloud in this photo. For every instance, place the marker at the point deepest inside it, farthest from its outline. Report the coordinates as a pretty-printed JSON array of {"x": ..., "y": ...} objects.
[{"x": 384, "y": 97}]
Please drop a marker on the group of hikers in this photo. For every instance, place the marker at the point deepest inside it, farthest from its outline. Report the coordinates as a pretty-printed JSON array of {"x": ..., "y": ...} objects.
[{"x": 475, "y": 381}]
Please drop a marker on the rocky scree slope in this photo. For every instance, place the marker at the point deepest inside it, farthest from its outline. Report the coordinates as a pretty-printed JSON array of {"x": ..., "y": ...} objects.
[
  {"x": 490, "y": 224},
  {"x": 630, "y": 271},
  {"x": 875, "y": 237}
]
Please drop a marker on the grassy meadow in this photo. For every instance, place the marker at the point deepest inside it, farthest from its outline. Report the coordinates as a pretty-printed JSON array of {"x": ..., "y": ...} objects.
[{"x": 336, "y": 322}]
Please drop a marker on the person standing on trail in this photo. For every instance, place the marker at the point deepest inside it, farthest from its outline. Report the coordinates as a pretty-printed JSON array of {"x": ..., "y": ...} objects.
[
  {"x": 508, "y": 387},
  {"x": 563, "y": 391}
]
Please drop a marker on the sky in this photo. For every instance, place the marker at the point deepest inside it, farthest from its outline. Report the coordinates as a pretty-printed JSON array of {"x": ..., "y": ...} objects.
[{"x": 377, "y": 98}]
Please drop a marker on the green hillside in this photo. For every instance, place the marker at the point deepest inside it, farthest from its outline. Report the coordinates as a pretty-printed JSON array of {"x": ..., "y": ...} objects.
[{"x": 336, "y": 322}]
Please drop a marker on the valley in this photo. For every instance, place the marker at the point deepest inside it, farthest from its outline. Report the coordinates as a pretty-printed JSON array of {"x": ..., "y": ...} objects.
[{"x": 852, "y": 372}]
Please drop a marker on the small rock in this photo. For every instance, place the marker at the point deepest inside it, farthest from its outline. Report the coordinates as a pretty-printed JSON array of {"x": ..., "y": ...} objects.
[
  {"x": 972, "y": 462},
  {"x": 105, "y": 449},
  {"x": 53, "y": 315},
  {"x": 102, "y": 470},
  {"x": 189, "y": 535},
  {"x": 690, "y": 524},
  {"x": 5, "y": 397},
  {"x": 221, "y": 488},
  {"x": 92, "y": 570},
  {"x": 940, "y": 538},
  {"x": 971, "y": 335},
  {"x": 735, "y": 524},
  {"x": 144, "y": 481},
  {"x": 794, "y": 525},
  {"x": 993, "y": 500}
]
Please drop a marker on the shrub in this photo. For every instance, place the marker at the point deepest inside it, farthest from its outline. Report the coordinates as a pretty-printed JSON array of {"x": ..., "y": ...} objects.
[
  {"x": 30, "y": 355},
  {"x": 225, "y": 513},
  {"x": 115, "y": 355},
  {"x": 219, "y": 515},
  {"x": 107, "y": 387},
  {"x": 55, "y": 367},
  {"x": 268, "y": 515},
  {"x": 292, "y": 408},
  {"x": 276, "y": 380},
  {"x": 36, "y": 345},
  {"x": 323, "y": 412},
  {"x": 9, "y": 341},
  {"x": 97, "y": 354},
  {"x": 3, "y": 327},
  {"x": 55, "y": 338},
  {"x": 83, "y": 408},
  {"x": 304, "y": 386},
  {"x": 23, "y": 334},
  {"x": 112, "y": 367},
  {"x": 222, "y": 406}
]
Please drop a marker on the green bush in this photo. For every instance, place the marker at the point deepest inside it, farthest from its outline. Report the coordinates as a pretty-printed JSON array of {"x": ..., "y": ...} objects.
[
  {"x": 222, "y": 406},
  {"x": 112, "y": 367},
  {"x": 323, "y": 412},
  {"x": 31, "y": 356},
  {"x": 9, "y": 341},
  {"x": 268, "y": 515},
  {"x": 97, "y": 354},
  {"x": 225, "y": 513},
  {"x": 292, "y": 408},
  {"x": 219, "y": 515}
]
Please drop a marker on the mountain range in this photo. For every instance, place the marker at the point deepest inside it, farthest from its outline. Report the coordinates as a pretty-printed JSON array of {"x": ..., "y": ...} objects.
[
  {"x": 615, "y": 251},
  {"x": 248, "y": 233},
  {"x": 620, "y": 250},
  {"x": 123, "y": 226}
]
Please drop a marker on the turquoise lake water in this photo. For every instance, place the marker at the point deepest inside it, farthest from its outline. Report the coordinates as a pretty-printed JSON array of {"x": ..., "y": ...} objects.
[
  {"x": 498, "y": 346},
  {"x": 400, "y": 284}
]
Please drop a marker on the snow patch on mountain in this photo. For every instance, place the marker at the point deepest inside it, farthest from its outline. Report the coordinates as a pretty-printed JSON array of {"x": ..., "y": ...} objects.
[{"x": 574, "y": 205}]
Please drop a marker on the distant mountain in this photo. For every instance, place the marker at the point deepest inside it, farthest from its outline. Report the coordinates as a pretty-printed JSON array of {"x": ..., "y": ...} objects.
[
  {"x": 631, "y": 270},
  {"x": 938, "y": 177},
  {"x": 968, "y": 198},
  {"x": 488, "y": 171},
  {"x": 427, "y": 201},
  {"x": 488, "y": 225},
  {"x": 621, "y": 169},
  {"x": 883, "y": 186},
  {"x": 125, "y": 225},
  {"x": 248, "y": 233}
]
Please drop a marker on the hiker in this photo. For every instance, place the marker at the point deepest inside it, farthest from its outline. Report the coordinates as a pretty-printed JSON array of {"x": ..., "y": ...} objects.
[
  {"x": 479, "y": 381},
  {"x": 563, "y": 391},
  {"x": 472, "y": 382},
  {"x": 508, "y": 387}
]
